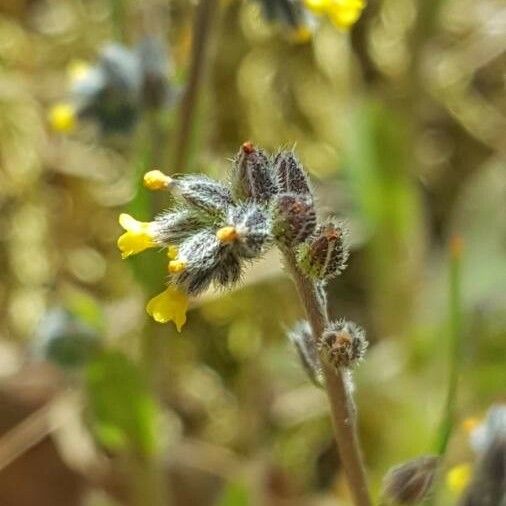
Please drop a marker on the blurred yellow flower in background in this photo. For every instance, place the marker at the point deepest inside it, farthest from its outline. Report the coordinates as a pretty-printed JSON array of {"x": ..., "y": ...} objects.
[
  {"x": 458, "y": 478},
  {"x": 62, "y": 118},
  {"x": 342, "y": 13},
  {"x": 137, "y": 238},
  {"x": 170, "y": 305}
]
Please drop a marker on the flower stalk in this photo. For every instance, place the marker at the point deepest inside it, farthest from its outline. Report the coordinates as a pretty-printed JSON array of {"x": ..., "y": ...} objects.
[{"x": 342, "y": 407}]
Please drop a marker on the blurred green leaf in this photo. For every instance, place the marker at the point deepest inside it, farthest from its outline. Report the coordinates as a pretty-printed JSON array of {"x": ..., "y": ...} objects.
[
  {"x": 123, "y": 411},
  {"x": 85, "y": 308},
  {"x": 234, "y": 494}
]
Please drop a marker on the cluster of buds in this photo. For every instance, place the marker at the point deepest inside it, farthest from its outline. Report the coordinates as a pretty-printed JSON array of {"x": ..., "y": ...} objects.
[
  {"x": 116, "y": 88},
  {"x": 300, "y": 16},
  {"x": 342, "y": 344},
  {"x": 213, "y": 229}
]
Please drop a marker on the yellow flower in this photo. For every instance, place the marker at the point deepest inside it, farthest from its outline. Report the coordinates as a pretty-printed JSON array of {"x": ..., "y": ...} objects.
[
  {"x": 170, "y": 305},
  {"x": 318, "y": 6},
  {"x": 77, "y": 70},
  {"x": 62, "y": 118},
  {"x": 342, "y": 13},
  {"x": 156, "y": 180},
  {"x": 138, "y": 235},
  {"x": 172, "y": 252},
  {"x": 458, "y": 478},
  {"x": 345, "y": 13}
]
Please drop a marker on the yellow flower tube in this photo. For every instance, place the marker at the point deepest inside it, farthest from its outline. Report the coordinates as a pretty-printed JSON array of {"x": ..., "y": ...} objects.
[
  {"x": 170, "y": 305},
  {"x": 139, "y": 236}
]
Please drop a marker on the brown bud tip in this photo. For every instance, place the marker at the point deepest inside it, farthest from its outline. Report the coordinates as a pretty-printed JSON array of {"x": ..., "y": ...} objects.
[
  {"x": 248, "y": 147},
  {"x": 227, "y": 234}
]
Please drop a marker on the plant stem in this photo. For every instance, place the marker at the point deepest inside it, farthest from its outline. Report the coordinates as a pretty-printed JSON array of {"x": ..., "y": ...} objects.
[
  {"x": 200, "y": 47},
  {"x": 455, "y": 359},
  {"x": 342, "y": 407}
]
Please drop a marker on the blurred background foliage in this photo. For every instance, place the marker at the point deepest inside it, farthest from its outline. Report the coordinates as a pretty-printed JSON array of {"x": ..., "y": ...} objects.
[{"x": 401, "y": 124}]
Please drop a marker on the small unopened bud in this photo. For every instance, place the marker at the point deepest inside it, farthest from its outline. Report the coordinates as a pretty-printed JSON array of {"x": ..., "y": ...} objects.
[
  {"x": 290, "y": 176},
  {"x": 302, "y": 338},
  {"x": 343, "y": 344},
  {"x": 253, "y": 227},
  {"x": 156, "y": 180},
  {"x": 176, "y": 266},
  {"x": 227, "y": 234},
  {"x": 294, "y": 218},
  {"x": 412, "y": 481},
  {"x": 201, "y": 256},
  {"x": 251, "y": 176},
  {"x": 323, "y": 256},
  {"x": 203, "y": 193}
]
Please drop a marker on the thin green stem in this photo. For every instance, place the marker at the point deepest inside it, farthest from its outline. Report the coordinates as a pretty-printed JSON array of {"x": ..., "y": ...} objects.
[
  {"x": 455, "y": 357},
  {"x": 342, "y": 408},
  {"x": 204, "y": 17}
]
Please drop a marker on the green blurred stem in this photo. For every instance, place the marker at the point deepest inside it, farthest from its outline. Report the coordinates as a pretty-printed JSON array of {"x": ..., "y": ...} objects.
[
  {"x": 342, "y": 406},
  {"x": 118, "y": 14},
  {"x": 204, "y": 17},
  {"x": 455, "y": 352}
]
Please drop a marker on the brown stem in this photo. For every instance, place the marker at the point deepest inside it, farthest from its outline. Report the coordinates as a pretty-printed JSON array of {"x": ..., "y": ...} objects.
[
  {"x": 200, "y": 47},
  {"x": 341, "y": 402}
]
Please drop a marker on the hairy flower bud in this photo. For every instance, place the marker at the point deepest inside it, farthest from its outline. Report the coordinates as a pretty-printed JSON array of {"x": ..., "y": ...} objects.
[
  {"x": 302, "y": 338},
  {"x": 294, "y": 218},
  {"x": 200, "y": 255},
  {"x": 252, "y": 229},
  {"x": 323, "y": 256},
  {"x": 251, "y": 177},
  {"x": 411, "y": 482},
  {"x": 203, "y": 193},
  {"x": 342, "y": 344},
  {"x": 228, "y": 271},
  {"x": 172, "y": 227},
  {"x": 290, "y": 176}
]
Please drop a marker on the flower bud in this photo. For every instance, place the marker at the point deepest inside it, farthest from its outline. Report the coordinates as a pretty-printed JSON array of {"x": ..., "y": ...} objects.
[
  {"x": 411, "y": 482},
  {"x": 172, "y": 227},
  {"x": 324, "y": 255},
  {"x": 290, "y": 176},
  {"x": 203, "y": 193},
  {"x": 200, "y": 255},
  {"x": 252, "y": 230},
  {"x": 251, "y": 177},
  {"x": 302, "y": 338},
  {"x": 342, "y": 344},
  {"x": 228, "y": 271},
  {"x": 294, "y": 218}
]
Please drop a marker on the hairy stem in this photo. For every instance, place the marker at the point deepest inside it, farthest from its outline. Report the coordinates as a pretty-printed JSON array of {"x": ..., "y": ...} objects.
[
  {"x": 340, "y": 398},
  {"x": 206, "y": 11}
]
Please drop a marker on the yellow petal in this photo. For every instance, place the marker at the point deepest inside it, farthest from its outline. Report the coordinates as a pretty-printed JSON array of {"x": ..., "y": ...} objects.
[
  {"x": 317, "y": 6},
  {"x": 458, "y": 478},
  {"x": 170, "y": 305},
  {"x": 77, "y": 70},
  {"x": 176, "y": 266},
  {"x": 137, "y": 238},
  {"x": 156, "y": 180},
  {"x": 62, "y": 118},
  {"x": 227, "y": 234},
  {"x": 172, "y": 252},
  {"x": 345, "y": 13}
]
